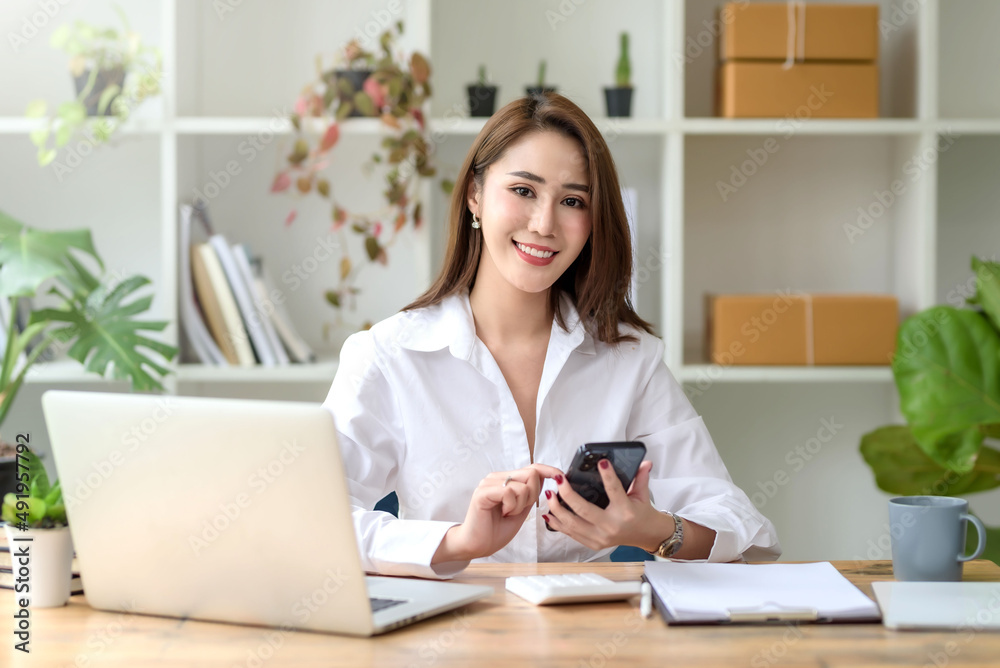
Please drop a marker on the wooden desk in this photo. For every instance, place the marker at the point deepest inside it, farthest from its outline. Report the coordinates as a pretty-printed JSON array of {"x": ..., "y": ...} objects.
[{"x": 502, "y": 631}]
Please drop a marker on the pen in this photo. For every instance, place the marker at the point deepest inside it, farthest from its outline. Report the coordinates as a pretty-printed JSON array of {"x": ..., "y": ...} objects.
[{"x": 646, "y": 602}]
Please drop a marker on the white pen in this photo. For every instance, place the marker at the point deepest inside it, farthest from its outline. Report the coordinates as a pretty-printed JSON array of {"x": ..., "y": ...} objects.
[{"x": 646, "y": 602}]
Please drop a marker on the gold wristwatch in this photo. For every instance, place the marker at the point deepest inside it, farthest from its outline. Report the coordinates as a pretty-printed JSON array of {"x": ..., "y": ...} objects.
[{"x": 669, "y": 546}]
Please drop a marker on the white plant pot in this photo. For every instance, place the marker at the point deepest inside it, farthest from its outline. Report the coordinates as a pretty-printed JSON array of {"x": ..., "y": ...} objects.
[{"x": 49, "y": 567}]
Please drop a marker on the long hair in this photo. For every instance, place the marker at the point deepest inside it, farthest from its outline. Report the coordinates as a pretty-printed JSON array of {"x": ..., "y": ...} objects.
[{"x": 599, "y": 278}]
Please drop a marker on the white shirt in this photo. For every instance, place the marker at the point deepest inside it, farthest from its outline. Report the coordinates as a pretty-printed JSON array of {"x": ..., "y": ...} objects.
[{"x": 422, "y": 408}]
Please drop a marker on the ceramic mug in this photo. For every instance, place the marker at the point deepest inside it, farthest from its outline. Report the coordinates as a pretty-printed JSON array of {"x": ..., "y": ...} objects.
[{"x": 928, "y": 537}]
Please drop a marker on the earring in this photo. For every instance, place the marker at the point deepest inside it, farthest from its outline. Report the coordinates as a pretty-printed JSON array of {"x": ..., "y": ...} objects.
[{"x": 475, "y": 222}]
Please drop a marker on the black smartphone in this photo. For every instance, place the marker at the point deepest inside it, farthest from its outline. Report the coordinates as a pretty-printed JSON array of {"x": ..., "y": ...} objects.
[{"x": 585, "y": 478}]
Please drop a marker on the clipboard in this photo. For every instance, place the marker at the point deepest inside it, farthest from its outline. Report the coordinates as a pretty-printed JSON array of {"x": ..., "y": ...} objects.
[{"x": 741, "y": 594}]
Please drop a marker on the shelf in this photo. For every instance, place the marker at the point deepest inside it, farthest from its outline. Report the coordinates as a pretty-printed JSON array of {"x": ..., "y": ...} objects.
[
  {"x": 321, "y": 371},
  {"x": 692, "y": 374},
  {"x": 458, "y": 126},
  {"x": 60, "y": 371},
  {"x": 786, "y": 127},
  {"x": 18, "y": 125},
  {"x": 969, "y": 126},
  {"x": 235, "y": 125}
]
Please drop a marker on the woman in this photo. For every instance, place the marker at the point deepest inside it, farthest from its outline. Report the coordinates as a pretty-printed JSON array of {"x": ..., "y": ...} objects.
[{"x": 471, "y": 401}]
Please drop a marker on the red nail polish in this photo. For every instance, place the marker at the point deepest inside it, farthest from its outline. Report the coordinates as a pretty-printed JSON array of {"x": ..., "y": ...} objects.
[
  {"x": 548, "y": 494},
  {"x": 546, "y": 518},
  {"x": 603, "y": 463},
  {"x": 558, "y": 479}
]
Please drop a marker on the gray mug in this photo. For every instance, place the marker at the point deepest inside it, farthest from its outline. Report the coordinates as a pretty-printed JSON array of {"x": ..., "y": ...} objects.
[{"x": 928, "y": 537}]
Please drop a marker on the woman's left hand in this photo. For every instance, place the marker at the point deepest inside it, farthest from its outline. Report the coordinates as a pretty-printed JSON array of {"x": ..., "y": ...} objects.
[{"x": 629, "y": 519}]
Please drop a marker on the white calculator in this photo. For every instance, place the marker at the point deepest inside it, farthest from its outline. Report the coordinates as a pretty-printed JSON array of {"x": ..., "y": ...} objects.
[{"x": 570, "y": 588}]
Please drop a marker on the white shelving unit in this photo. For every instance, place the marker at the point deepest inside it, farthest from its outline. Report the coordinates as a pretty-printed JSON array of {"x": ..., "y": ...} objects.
[{"x": 232, "y": 77}]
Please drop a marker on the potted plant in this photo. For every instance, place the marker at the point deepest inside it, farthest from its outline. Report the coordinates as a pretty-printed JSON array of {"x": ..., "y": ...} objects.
[
  {"x": 93, "y": 319},
  {"x": 346, "y": 89},
  {"x": 947, "y": 373},
  {"x": 619, "y": 97},
  {"x": 35, "y": 511},
  {"x": 395, "y": 92},
  {"x": 482, "y": 96},
  {"x": 539, "y": 88},
  {"x": 113, "y": 72}
]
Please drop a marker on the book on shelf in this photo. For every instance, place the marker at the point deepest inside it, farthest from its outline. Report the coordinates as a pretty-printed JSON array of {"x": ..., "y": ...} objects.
[
  {"x": 297, "y": 347},
  {"x": 203, "y": 346},
  {"x": 258, "y": 303},
  {"x": 212, "y": 298},
  {"x": 241, "y": 291}
]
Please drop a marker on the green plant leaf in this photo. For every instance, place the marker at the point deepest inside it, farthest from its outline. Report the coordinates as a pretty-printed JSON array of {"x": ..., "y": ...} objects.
[
  {"x": 38, "y": 479},
  {"x": 39, "y": 136},
  {"x": 36, "y": 109},
  {"x": 46, "y": 156},
  {"x": 363, "y": 103},
  {"x": 106, "y": 96},
  {"x": 72, "y": 112},
  {"x": 107, "y": 339},
  {"x": 372, "y": 248},
  {"x": 902, "y": 467},
  {"x": 333, "y": 298},
  {"x": 28, "y": 257},
  {"x": 947, "y": 371},
  {"x": 988, "y": 289}
]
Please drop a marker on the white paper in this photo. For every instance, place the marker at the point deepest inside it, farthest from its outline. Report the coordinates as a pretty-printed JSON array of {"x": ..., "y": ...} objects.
[{"x": 710, "y": 592}]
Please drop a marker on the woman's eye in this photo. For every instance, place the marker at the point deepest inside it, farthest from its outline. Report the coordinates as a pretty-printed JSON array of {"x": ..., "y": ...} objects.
[
  {"x": 577, "y": 202},
  {"x": 522, "y": 191}
]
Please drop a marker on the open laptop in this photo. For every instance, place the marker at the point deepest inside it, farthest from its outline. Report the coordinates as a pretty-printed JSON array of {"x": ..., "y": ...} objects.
[
  {"x": 969, "y": 606},
  {"x": 224, "y": 510}
]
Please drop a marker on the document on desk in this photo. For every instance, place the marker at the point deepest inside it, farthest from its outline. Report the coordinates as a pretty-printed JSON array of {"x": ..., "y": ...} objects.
[{"x": 703, "y": 593}]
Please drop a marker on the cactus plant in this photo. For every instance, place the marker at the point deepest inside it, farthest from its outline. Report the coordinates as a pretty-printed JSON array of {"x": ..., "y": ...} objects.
[
  {"x": 623, "y": 72},
  {"x": 541, "y": 74}
]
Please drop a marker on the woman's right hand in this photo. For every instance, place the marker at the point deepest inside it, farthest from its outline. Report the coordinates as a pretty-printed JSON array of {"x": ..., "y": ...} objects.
[{"x": 495, "y": 514}]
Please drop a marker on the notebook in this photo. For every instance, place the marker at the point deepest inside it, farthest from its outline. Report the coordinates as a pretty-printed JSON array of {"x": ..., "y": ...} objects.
[
  {"x": 939, "y": 605},
  {"x": 710, "y": 593},
  {"x": 224, "y": 510}
]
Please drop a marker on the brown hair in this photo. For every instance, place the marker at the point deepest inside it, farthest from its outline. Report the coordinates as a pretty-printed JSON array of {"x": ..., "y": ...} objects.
[{"x": 599, "y": 278}]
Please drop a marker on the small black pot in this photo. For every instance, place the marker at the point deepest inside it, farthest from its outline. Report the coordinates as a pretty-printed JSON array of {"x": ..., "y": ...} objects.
[
  {"x": 482, "y": 100},
  {"x": 356, "y": 79},
  {"x": 619, "y": 101},
  {"x": 532, "y": 91},
  {"x": 8, "y": 475},
  {"x": 104, "y": 79}
]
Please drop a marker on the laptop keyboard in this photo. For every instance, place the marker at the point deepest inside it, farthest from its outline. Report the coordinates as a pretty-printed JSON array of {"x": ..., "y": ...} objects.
[{"x": 383, "y": 603}]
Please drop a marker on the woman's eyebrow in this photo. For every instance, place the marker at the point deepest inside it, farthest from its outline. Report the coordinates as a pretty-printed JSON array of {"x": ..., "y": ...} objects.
[{"x": 537, "y": 179}]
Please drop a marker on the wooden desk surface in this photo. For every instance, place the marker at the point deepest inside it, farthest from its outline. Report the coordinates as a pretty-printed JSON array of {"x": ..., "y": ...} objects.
[{"x": 503, "y": 631}]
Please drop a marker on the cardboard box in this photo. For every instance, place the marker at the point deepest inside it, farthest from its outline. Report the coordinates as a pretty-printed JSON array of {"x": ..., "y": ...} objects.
[
  {"x": 761, "y": 31},
  {"x": 805, "y": 90},
  {"x": 795, "y": 329}
]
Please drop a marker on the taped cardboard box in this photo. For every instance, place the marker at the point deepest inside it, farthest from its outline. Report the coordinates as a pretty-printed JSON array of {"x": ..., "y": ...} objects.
[
  {"x": 805, "y": 90},
  {"x": 803, "y": 31},
  {"x": 796, "y": 329}
]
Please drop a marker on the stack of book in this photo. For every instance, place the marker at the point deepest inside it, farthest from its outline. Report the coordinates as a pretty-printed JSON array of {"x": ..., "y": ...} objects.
[
  {"x": 7, "y": 578},
  {"x": 229, "y": 313}
]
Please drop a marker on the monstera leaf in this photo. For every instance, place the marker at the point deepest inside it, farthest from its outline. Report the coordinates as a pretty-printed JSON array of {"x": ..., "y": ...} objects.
[
  {"x": 902, "y": 467},
  {"x": 29, "y": 257},
  {"x": 947, "y": 370},
  {"x": 106, "y": 338}
]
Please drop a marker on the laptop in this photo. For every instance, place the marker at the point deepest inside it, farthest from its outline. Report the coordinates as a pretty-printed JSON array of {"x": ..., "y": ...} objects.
[
  {"x": 223, "y": 510},
  {"x": 968, "y": 606}
]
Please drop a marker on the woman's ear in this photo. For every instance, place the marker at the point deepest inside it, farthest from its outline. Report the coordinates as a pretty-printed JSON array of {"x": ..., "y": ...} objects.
[{"x": 472, "y": 197}]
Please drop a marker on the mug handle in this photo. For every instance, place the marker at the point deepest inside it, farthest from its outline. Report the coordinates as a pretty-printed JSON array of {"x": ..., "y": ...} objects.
[{"x": 981, "y": 530}]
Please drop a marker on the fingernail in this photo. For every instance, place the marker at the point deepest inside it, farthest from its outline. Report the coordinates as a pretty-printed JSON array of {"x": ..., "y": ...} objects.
[
  {"x": 558, "y": 479},
  {"x": 546, "y": 518},
  {"x": 603, "y": 463},
  {"x": 548, "y": 494}
]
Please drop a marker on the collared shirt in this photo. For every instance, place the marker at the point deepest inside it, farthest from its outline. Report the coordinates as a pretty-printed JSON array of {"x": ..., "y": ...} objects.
[{"x": 422, "y": 408}]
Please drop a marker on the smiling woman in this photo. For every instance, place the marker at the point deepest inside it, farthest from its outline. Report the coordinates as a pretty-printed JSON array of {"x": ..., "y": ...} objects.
[{"x": 471, "y": 402}]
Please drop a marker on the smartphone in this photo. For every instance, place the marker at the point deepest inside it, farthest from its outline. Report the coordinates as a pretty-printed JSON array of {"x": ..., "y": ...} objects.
[{"x": 585, "y": 478}]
